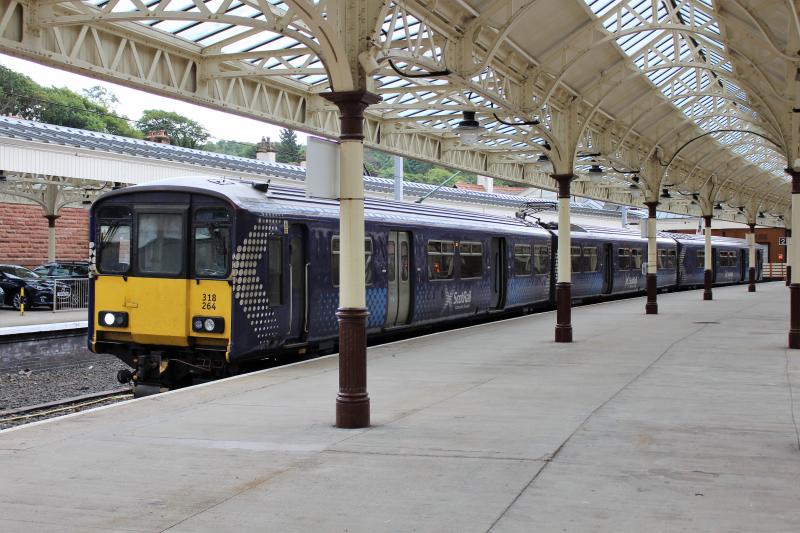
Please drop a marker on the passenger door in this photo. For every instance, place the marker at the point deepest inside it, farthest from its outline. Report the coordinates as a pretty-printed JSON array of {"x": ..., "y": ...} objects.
[
  {"x": 298, "y": 282},
  {"x": 398, "y": 265},
  {"x": 608, "y": 271},
  {"x": 499, "y": 272}
]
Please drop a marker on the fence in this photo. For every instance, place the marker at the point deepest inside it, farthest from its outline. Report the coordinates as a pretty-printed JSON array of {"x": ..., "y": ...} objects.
[
  {"x": 70, "y": 294},
  {"x": 774, "y": 270}
]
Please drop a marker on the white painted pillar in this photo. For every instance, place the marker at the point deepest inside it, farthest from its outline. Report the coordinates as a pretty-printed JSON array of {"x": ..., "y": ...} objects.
[
  {"x": 564, "y": 279},
  {"x": 399, "y": 173},
  {"x": 351, "y": 226},
  {"x": 651, "y": 307}
]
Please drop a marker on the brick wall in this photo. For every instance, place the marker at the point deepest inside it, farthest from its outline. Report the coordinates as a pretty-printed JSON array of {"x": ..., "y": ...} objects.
[{"x": 23, "y": 234}]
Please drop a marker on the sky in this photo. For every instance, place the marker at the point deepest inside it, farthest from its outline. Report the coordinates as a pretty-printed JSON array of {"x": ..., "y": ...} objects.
[{"x": 132, "y": 102}]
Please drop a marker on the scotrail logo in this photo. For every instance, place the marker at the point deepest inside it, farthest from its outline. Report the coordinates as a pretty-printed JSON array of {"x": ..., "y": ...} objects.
[{"x": 455, "y": 300}]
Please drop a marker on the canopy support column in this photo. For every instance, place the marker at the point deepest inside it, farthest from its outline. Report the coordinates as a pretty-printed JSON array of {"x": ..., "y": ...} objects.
[
  {"x": 352, "y": 401},
  {"x": 708, "y": 275},
  {"x": 751, "y": 259},
  {"x": 794, "y": 288},
  {"x": 651, "y": 308},
  {"x": 51, "y": 237},
  {"x": 788, "y": 234},
  {"x": 564, "y": 279}
]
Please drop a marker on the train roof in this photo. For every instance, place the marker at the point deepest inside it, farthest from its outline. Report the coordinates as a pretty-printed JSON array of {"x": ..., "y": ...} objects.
[
  {"x": 693, "y": 238},
  {"x": 280, "y": 199}
]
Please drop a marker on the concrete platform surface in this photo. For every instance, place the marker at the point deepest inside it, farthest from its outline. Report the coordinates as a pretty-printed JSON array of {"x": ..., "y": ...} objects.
[
  {"x": 39, "y": 319},
  {"x": 685, "y": 421}
]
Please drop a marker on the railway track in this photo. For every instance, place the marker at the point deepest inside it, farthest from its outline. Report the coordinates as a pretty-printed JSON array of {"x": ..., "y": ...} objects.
[{"x": 33, "y": 413}]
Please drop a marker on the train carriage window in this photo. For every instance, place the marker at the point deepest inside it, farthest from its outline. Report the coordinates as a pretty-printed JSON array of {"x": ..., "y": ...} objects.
[
  {"x": 701, "y": 258},
  {"x": 673, "y": 259},
  {"x": 159, "y": 246},
  {"x": 624, "y": 258},
  {"x": 335, "y": 261},
  {"x": 590, "y": 259},
  {"x": 575, "y": 252},
  {"x": 541, "y": 259},
  {"x": 636, "y": 258},
  {"x": 392, "y": 258},
  {"x": 275, "y": 271},
  {"x": 212, "y": 234},
  {"x": 523, "y": 264},
  {"x": 661, "y": 260},
  {"x": 440, "y": 259},
  {"x": 404, "y": 261},
  {"x": 471, "y": 255},
  {"x": 114, "y": 240}
]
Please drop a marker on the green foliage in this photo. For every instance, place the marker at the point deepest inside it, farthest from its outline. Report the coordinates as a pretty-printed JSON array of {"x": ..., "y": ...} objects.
[
  {"x": 101, "y": 97},
  {"x": 287, "y": 150},
  {"x": 21, "y": 96},
  {"x": 18, "y": 95},
  {"x": 181, "y": 130},
  {"x": 382, "y": 165},
  {"x": 231, "y": 148}
]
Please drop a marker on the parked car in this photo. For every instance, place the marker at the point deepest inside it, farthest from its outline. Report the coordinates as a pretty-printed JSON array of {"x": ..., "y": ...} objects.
[
  {"x": 38, "y": 290},
  {"x": 64, "y": 269}
]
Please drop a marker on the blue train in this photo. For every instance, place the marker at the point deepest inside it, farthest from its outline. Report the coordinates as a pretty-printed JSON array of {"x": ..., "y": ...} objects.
[{"x": 193, "y": 278}]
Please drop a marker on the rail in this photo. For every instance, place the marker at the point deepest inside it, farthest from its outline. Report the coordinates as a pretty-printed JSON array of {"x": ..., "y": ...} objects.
[{"x": 70, "y": 294}]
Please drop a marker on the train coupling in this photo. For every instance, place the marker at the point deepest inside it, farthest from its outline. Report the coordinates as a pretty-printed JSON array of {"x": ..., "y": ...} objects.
[{"x": 124, "y": 376}]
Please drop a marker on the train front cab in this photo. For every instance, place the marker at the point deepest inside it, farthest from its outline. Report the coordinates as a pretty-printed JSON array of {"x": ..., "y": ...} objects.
[{"x": 161, "y": 285}]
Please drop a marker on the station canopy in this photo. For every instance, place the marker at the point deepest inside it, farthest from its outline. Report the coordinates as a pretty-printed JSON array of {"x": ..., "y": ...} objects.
[{"x": 689, "y": 103}]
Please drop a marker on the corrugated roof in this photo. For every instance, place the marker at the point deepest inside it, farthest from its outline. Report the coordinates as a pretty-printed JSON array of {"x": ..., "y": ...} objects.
[{"x": 16, "y": 128}]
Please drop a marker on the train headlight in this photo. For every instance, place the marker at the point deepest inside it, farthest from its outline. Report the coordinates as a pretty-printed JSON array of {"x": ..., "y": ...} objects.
[
  {"x": 208, "y": 324},
  {"x": 113, "y": 319}
]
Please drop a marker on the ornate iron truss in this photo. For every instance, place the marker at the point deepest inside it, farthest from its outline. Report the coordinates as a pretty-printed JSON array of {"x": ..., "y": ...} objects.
[{"x": 627, "y": 81}]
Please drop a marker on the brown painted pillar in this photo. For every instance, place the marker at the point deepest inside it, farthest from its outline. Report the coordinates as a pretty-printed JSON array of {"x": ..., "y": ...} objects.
[
  {"x": 794, "y": 288},
  {"x": 788, "y": 234},
  {"x": 352, "y": 401},
  {"x": 751, "y": 255},
  {"x": 564, "y": 279},
  {"x": 708, "y": 275},
  {"x": 651, "y": 308}
]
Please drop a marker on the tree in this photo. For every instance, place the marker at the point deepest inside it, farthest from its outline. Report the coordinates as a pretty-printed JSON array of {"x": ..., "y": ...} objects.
[
  {"x": 287, "y": 150},
  {"x": 232, "y": 148},
  {"x": 181, "y": 130},
  {"x": 101, "y": 97},
  {"x": 19, "y": 95}
]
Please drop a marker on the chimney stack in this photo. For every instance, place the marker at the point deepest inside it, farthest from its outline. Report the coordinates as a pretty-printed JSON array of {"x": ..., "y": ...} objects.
[
  {"x": 265, "y": 151},
  {"x": 157, "y": 136}
]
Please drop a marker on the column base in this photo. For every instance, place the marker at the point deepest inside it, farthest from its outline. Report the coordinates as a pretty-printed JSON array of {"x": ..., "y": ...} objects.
[
  {"x": 794, "y": 316},
  {"x": 352, "y": 401},
  {"x": 788, "y": 275},
  {"x": 751, "y": 287},
  {"x": 707, "y": 282},
  {"x": 651, "y": 308},
  {"x": 563, "y": 312}
]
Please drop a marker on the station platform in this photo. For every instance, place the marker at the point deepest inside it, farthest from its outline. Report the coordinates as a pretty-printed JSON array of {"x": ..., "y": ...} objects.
[
  {"x": 684, "y": 421},
  {"x": 38, "y": 320}
]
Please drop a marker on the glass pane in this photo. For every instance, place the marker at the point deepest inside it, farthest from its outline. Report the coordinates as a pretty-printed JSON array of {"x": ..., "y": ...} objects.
[
  {"x": 576, "y": 259},
  {"x": 368, "y": 262},
  {"x": 392, "y": 259},
  {"x": 114, "y": 246},
  {"x": 160, "y": 243},
  {"x": 335, "y": 261},
  {"x": 211, "y": 243},
  {"x": 522, "y": 260},
  {"x": 275, "y": 274},
  {"x": 404, "y": 263}
]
